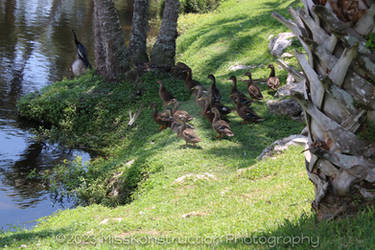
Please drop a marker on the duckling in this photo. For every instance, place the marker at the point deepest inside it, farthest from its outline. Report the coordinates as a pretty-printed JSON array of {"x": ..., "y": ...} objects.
[
  {"x": 189, "y": 82},
  {"x": 188, "y": 134},
  {"x": 162, "y": 118},
  {"x": 246, "y": 113},
  {"x": 164, "y": 94},
  {"x": 180, "y": 114},
  {"x": 220, "y": 126},
  {"x": 252, "y": 89},
  {"x": 201, "y": 97},
  {"x": 234, "y": 93},
  {"x": 214, "y": 91},
  {"x": 176, "y": 126},
  {"x": 273, "y": 81},
  {"x": 81, "y": 64}
]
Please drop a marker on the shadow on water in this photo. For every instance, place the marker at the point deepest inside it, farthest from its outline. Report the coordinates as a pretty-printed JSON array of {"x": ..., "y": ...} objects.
[{"x": 36, "y": 49}]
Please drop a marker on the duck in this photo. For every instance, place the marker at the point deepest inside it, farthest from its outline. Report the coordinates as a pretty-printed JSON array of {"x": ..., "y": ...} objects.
[
  {"x": 235, "y": 94},
  {"x": 189, "y": 82},
  {"x": 162, "y": 118},
  {"x": 207, "y": 112},
  {"x": 179, "y": 70},
  {"x": 246, "y": 113},
  {"x": 176, "y": 126},
  {"x": 273, "y": 81},
  {"x": 188, "y": 134},
  {"x": 180, "y": 114},
  {"x": 214, "y": 91},
  {"x": 252, "y": 89},
  {"x": 165, "y": 96},
  {"x": 81, "y": 64},
  {"x": 220, "y": 126},
  {"x": 201, "y": 97}
]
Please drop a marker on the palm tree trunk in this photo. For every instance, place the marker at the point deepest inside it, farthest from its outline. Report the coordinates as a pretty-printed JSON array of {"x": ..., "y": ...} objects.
[
  {"x": 138, "y": 37},
  {"x": 111, "y": 55},
  {"x": 339, "y": 101},
  {"x": 164, "y": 51}
]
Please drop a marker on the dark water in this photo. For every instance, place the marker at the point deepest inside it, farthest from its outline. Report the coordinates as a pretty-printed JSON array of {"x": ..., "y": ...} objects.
[{"x": 36, "y": 49}]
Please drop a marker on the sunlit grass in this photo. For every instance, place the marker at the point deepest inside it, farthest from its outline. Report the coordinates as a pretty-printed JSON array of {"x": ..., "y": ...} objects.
[{"x": 216, "y": 190}]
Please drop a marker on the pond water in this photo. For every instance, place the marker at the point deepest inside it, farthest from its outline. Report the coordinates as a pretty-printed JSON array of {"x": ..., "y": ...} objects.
[{"x": 36, "y": 49}]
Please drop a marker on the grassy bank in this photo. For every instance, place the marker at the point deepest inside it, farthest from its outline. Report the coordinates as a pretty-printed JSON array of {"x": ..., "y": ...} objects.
[{"x": 216, "y": 195}]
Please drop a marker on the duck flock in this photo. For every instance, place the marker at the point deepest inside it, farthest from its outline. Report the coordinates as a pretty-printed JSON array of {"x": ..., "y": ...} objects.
[
  {"x": 209, "y": 100},
  {"x": 210, "y": 105}
]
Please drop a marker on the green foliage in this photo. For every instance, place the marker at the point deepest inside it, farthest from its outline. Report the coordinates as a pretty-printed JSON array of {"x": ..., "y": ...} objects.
[
  {"x": 194, "y": 6},
  {"x": 369, "y": 131},
  {"x": 199, "y": 6},
  {"x": 91, "y": 114},
  {"x": 371, "y": 41}
]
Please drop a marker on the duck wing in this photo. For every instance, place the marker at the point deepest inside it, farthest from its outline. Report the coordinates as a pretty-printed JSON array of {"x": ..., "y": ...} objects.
[
  {"x": 242, "y": 98},
  {"x": 224, "y": 110},
  {"x": 190, "y": 135},
  {"x": 254, "y": 92},
  {"x": 273, "y": 82},
  {"x": 182, "y": 115},
  {"x": 222, "y": 127},
  {"x": 249, "y": 114}
]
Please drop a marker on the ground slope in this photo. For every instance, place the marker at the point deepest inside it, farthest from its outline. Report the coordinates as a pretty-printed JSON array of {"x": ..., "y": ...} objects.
[{"x": 216, "y": 195}]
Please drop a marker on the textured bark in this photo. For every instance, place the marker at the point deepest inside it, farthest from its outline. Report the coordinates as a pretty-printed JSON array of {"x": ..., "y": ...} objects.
[
  {"x": 138, "y": 37},
  {"x": 164, "y": 51},
  {"x": 110, "y": 50},
  {"x": 339, "y": 101}
]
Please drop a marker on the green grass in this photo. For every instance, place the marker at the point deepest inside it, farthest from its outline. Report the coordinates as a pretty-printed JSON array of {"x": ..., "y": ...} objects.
[{"x": 217, "y": 190}]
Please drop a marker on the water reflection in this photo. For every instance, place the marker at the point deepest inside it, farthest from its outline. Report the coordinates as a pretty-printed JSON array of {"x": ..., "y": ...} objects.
[{"x": 36, "y": 48}]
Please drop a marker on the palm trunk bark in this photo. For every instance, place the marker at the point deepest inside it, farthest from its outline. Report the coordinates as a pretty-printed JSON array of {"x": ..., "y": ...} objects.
[
  {"x": 164, "y": 51},
  {"x": 339, "y": 101},
  {"x": 138, "y": 37},
  {"x": 111, "y": 54}
]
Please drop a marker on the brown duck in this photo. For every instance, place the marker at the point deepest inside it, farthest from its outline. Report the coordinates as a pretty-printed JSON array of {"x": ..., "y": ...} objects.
[
  {"x": 165, "y": 96},
  {"x": 180, "y": 114},
  {"x": 189, "y": 82},
  {"x": 247, "y": 113},
  {"x": 176, "y": 126},
  {"x": 235, "y": 94},
  {"x": 201, "y": 97},
  {"x": 215, "y": 95},
  {"x": 273, "y": 82},
  {"x": 162, "y": 118},
  {"x": 188, "y": 134},
  {"x": 220, "y": 126},
  {"x": 252, "y": 89}
]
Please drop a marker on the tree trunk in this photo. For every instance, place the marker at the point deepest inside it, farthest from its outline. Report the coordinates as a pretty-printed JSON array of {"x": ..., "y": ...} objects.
[
  {"x": 164, "y": 51},
  {"x": 110, "y": 50},
  {"x": 138, "y": 37},
  {"x": 339, "y": 101}
]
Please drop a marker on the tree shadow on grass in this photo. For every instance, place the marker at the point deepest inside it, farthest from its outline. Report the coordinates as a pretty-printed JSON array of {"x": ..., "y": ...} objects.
[
  {"x": 30, "y": 237},
  {"x": 354, "y": 232},
  {"x": 231, "y": 29},
  {"x": 227, "y": 34}
]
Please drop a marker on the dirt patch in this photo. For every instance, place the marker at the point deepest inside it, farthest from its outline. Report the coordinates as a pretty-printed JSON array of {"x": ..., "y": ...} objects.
[
  {"x": 195, "y": 177},
  {"x": 193, "y": 214}
]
